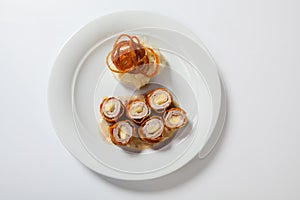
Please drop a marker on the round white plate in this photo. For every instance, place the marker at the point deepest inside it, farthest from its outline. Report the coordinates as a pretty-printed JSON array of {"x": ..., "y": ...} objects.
[{"x": 79, "y": 80}]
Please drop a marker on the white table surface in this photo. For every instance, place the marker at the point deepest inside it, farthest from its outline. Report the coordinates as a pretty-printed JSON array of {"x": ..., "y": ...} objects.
[{"x": 256, "y": 45}]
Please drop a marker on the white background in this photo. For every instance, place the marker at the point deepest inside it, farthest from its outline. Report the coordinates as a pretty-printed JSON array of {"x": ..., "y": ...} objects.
[{"x": 257, "y": 47}]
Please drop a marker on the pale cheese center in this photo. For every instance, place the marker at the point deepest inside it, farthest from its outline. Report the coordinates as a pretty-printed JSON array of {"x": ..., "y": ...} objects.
[
  {"x": 137, "y": 109},
  {"x": 160, "y": 99},
  {"x": 175, "y": 119},
  {"x": 153, "y": 128},
  {"x": 123, "y": 132},
  {"x": 109, "y": 107}
]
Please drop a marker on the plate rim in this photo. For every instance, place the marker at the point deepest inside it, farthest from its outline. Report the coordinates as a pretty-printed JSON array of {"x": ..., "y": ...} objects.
[{"x": 88, "y": 162}]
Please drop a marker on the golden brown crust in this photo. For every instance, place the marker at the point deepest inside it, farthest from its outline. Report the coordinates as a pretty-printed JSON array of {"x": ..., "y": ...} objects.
[
  {"x": 106, "y": 118},
  {"x": 141, "y": 120},
  {"x": 179, "y": 110},
  {"x": 150, "y": 93},
  {"x": 114, "y": 140},
  {"x": 143, "y": 136}
]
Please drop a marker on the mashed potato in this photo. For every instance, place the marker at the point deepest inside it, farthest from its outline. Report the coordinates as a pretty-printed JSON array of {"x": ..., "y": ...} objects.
[{"x": 136, "y": 80}]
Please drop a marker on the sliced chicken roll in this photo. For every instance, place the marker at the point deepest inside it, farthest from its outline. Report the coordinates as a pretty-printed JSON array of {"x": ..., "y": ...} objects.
[
  {"x": 111, "y": 109},
  {"x": 137, "y": 111},
  {"x": 152, "y": 130},
  {"x": 159, "y": 99},
  {"x": 175, "y": 118},
  {"x": 121, "y": 133}
]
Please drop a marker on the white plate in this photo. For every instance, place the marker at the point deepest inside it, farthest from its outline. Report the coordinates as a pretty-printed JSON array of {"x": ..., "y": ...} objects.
[{"x": 79, "y": 80}]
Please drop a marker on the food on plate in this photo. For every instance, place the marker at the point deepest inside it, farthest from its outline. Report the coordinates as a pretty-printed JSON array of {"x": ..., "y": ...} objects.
[
  {"x": 111, "y": 109},
  {"x": 175, "y": 118},
  {"x": 159, "y": 99},
  {"x": 121, "y": 133},
  {"x": 137, "y": 111},
  {"x": 152, "y": 129},
  {"x": 151, "y": 120},
  {"x": 133, "y": 61}
]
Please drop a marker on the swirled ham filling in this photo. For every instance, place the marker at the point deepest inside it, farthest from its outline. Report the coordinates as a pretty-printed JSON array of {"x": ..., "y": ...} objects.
[
  {"x": 152, "y": 129},
  {"x": 111, "y": 109},
  {"x": 121, "y": 132},
  {"x": 137, "y": 111},
  {"x": 175, "y": 118},
  {"x": 159, "y": 99}
]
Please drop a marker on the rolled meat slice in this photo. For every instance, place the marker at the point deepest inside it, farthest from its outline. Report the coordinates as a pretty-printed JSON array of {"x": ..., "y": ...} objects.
[
  {"x": 159, "y": 99},
  {"x": 175, "y": 118},
  {"x": 111, "y": 109},
  {"x": 137, "y": 111},
  {"x": 152, "y": 130},
  {"x": 121, "y": 133}
]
